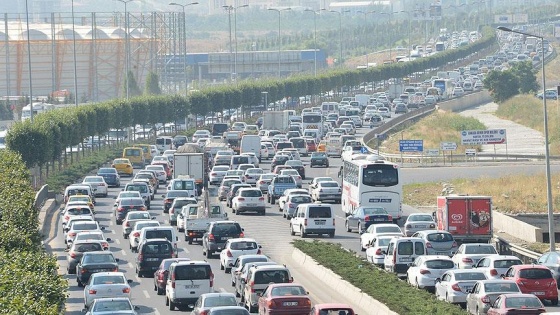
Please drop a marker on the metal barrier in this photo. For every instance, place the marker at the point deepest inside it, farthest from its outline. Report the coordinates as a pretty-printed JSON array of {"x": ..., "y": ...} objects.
[
  {"x": 506, "y": 248},
  {"x": 41, "y": 196}
]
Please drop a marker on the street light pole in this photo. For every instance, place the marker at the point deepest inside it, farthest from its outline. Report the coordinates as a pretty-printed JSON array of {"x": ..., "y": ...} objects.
[
  {"x": 127, "y": 46},
  {"x": 315, "y": 13},
  {"x": 229, "y": 9},
  {"x": 235, "y": 36},
  {"x": 365, "y": 13},
  {"x": 74, "y": 54},
  {"x": 29, "y": 62},
  {"x": 183, "y": 6},
  {"x": 549, "y": 200},
  {"x": 279, "y": 38},
  {"x": 340, "y": 34}
]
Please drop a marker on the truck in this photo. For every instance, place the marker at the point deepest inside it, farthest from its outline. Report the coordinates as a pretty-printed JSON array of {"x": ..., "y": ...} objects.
[
  {"x": 215, "y": 145},
  {"x": 467, "y": 218},
  {"x": 192, "y": 164},
  {"x": 445, "y": 87},
  {"x": 218, "y": 129},
  {"x": 395, "y": 90},
  {"x": 251, "y": 144},
  {"x": 233, "y": 139},
  {"x": 363, "y": 99},
  {"x": 197, "y": 219},
  {"x": 276, "y": 120}
]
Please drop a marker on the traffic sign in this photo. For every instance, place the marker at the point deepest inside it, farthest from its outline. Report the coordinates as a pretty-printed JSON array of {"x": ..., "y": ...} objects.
[
  {"x": 364, "y": 150},
  {"x": 432, "y": 152},
  {"x": 411, "y": 145},
  {"x": 470, "y": 152},
  {"x": 448, "y": 146},
  {"x": 489, "y": 136}
]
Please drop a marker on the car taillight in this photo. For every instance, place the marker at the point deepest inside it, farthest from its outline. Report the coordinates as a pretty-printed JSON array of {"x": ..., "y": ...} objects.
[
  {"x": 136, "y": 234},
  {"x": 102, "y": 184},
  {"x": 241, "y": 235},
  {"x": 305, "y": 222},
  {"x": 456, "y": 287},
  {"x": 211, "y": 237},
  {"x": 428, "y": 245},
  {"x": 252, "y": 285},
  {"x": 259, "y": 251},
  {"x": 261, "y": 182},
  {"x": 212, "y": 174},
  {"x": 493, "y": 272},
  {"x": 72, "y": 234},
  {"x": 270, "y": 304},
  {"x": 142, "y": 208},
  {"x": 424, "y": 271},
  {"x": 432, "y": 226},
  {"x": 92, "y": 291},
  {"x": 173, "y": 280},
  {"x": 167, "y": 200},
  {"x": 126, "y": 224},
  {"x": 72, "y": 255},
  {"x": 113, "y": 165},
  {"x": 83, "y": 270},
  {"x": 378, "y": 252},
  {"x": 552, "y": 283},
  {"x": 120, "y": 209},
  {"x": 204, "y": 312},
  {"x": 172, "y": 210},
  {"x": 466, "y": 260},
  {"x": 454, "y": 244},
  {"x": 105, "y": 245},
  {"x": 228, "y": 253},
  {"x": 261, "y": 199},
  {"x": 291, "y": 205},
  {"x": 66, "y": 218},
  {"x": 485, "y": 299},
  {"x": 240, "y": 199},
  {"x": 140, "y": 257}
]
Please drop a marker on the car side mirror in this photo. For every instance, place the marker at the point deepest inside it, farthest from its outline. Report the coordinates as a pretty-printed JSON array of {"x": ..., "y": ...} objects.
[
  {"x": 67, "y": 250},
  {"x": 129, "y": 281},
  {"x": 102, "y": 228},
  {"x": 502, "y": 276},
  {"x": 153, "y": 218},
  {"x": 469, "y": 291},
  {"x": 108, "y": 239},
  {"x": 162, "y": 196},
  {"x": 231, "y": 265},
  {"x": 438, "y": 280},
  {"x": 117, "y": 259},
  {"x": 243, "y": 281},
  {"x": 84, "y": 310},
  {"x": 362, "y": 231},
  {"x": 66, "y": 229},
  {"x": 136, "y": 307}
]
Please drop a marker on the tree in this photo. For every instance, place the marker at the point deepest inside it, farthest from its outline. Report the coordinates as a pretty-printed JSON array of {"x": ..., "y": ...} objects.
[
  {"x": 502, "y": 85},
  {"x": 152, "y": 84},
  {"x": 133, "y": 89},
  {"x": 526, "y": 76}
]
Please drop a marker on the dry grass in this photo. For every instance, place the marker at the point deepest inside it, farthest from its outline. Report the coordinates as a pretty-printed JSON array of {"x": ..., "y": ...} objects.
[
  {"x": 510, "y": 194},
  {"x": 434, "y": 129},
  {"x": 552, "y": 70}
]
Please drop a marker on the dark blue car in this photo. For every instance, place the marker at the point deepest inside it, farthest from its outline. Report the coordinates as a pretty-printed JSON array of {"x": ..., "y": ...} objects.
[
  {"x": 110, "y": 175},
  {"x": 363, "y": 217}
]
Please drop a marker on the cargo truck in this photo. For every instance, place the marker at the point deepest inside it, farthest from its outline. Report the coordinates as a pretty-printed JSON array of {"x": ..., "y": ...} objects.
[
  {"x": 467, "y": 218},
  {"x": 192, "y": 165},
  {"x": 276, "y": 120}
]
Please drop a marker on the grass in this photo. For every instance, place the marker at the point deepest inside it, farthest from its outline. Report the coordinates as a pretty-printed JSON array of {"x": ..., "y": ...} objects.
[
  {"x": 510, "y": 194},
  {"x": 434, "y": 129},
  {"x": 399, "y": 296}
]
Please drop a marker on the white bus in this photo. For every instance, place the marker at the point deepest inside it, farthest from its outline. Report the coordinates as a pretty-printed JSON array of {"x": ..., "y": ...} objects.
[
  {"x": 372, "y": 182},
  {"x": 313, "y": 121},
  {"x": 38, "y": 107}
]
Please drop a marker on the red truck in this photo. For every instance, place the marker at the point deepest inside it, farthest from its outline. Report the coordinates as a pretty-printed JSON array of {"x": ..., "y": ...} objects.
[{"x": 467, "y": 218}]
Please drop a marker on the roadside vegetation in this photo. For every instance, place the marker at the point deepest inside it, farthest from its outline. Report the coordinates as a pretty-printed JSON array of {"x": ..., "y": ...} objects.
[
  {"x": 384, "y": 287},
  {"x": 434, "y": 129}
]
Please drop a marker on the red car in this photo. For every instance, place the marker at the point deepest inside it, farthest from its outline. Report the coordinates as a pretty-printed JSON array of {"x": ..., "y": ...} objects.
[
  {"x": 534, "y": 279},
  {"x": 285, "y": 298},
  {"x": 160, "y": 275},
  {"x": 332, "y": 308},
  {"x": 521, "y": 304},
  {"x": 311, "y": 145},
  {"x": 278, "y": 168},
  {"x": 168, "y": 169}
]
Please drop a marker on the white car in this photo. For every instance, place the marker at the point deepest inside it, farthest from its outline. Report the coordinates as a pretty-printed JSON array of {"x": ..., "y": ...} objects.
[
  {"x": 131, "y": 218},
  {"x": 495, "y": 266},
  {"x": 248, "y": 199},
  {"x": 350, "y": 130},
  {"x": 93, "y": 236},
  {"x": 252, "y": 175},
  {"x": 253, "y": 159},
  {"x": 295, "y": 175},
  {"x": 290, "y": 192},
  {"x": 72, "y": 211},
  {"x": 453, "y": 286},
  {"x": 264, "y": 180},
  {"x": 316, "y": 180},
  {"x": 160, "y": 172},
  {"x": 426, "y": 269},
  {"x": 327, "y": 191},
  {"x": 106, "y": 285},
  {"x": 292, "y": 202},
  {"x": 376, "y": 230},
  {"x": 294, "y": 152},
  {"x": 126, "y": 194},
  {"x": 419, "y": 222},
  {"x": 264, "y": 152},
  {"x": 270, "y": 149},
  {"x": 217, "y": 174},
  {"x": 384, "y": 112},
  {"x": 201, "y": 134},
  {"x": 375, "y": 250},
  {"x": 135, "y": 233},
  {"x": 469, "y": 254},
  {"x": 236, "y": 247},
  {"x": 98, "y": 183},
  {"x": 238, "y": 126},
  {"x": 235, "y": 174},
  {"x": 458, "y": 91},
  {"x": 83, "y": 226}
]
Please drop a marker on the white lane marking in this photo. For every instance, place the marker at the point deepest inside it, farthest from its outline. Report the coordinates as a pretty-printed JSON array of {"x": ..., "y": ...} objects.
[
  {"x": 130, "y": 265},
  {"x": 117, "y": 241},
  {"x": 156, "y": 312},
  {"x": 123, "y": 252},
  {"x": 222, "y": 290},
  {"x": 111, "y": 215},
  {"x": 340, "y": 217},
  {"x": 146, "y": 294}
]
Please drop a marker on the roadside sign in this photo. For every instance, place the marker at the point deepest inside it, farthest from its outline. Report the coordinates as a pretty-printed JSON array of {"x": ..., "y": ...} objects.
[
  {"x": 448, "y": 146},
  {"x": 432, "y": 152},
  {"x": 364, "y": 150},
  {"x": 489, "y": 136},
  {"x": 470, "y": 152},
  {"x": 411, "y": 145}
]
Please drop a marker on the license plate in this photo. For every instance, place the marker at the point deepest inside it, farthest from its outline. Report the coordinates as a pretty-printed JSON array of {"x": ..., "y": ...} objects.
[
  {"x": 378, "y": 219},
  {"x": 226, "y": 237},
  {"x": 151, "y": 259},
  {"x": 252, "y": 205},
  {"x": 290, "y": 303},
  {"x": 538, "y": 293},
  {"x": 97, "y": 270},
  {"x": 320, "y": 222},
  {"x": 192, "y": 286},
  {"x": 406, "y": 259},
  {"x": 441, "y": 253},
  {"x": 419, "y": 226}
]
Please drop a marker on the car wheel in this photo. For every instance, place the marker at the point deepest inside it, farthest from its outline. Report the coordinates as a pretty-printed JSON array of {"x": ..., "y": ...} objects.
[
  {"x": 208, "y": 254},
  {"x": 80, "y": 284},
  {"x": 331, "y": 234},
  {"x": 292, "y": 230},
  {"x": 348, "y": 229},
  {"x": 171, "y": 305},
  {"x": 160, "y": 291},
  {"x": 263, "y": 212},
  {"x": 237, "y": 294},
  {"x": 227, "y": 270},
  {"x": 221, "y": 266},
  {"x": 359, "y": 227},
  {"x": 554, "y": 301},
  {"x": 302, "y": 233}
]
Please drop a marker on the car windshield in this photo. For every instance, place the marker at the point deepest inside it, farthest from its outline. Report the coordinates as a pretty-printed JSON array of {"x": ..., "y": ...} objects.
[
  {"x": 220, "y": 169},
  {"x": 112, "y": 306},
  {"x": 109, "y": 280},
  {"x": 535, "y": 273},
  {"x": 228, "y": 183},
  {"x": 107, "y": 171},
  {"x": 483, "y": 249},
  {"x": 500, "y": 287},
  {"x": 139, "y": 215},
  {"x": 88, "y": 236},
  {"x": 83, "y": 226},
  {"x": 420, "y": 217},
  {"x": 87, "y": 247},
  {"x": 439, "y": 264},
  {"x": 243, "y": 245},
  {"x": 289, "y": 172},
  {"x": 255, "y": 171},
  {"x": 78, "y": 211},
  {"x": 439, "y": 237},
  {"x": 271, "y": 276},
  {"x": 329, "y": 184},
  {"x": 139, "y": 226}
]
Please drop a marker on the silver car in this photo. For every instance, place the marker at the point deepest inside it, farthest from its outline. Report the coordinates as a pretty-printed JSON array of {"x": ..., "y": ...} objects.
[
  {"x": 453, "y": 286},
  {"x": 224, "y": 188},
  {"x": 264, "y": 180},
  {"x": 418, "y": 222},
  {"x": 484, "y": 293},
  {"x": 438, "y": 242}
]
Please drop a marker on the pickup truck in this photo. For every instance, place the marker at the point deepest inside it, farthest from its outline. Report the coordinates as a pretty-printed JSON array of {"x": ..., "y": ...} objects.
[
  {"x": 278, "y": 185},
  {"x": 197, "y": 220}
]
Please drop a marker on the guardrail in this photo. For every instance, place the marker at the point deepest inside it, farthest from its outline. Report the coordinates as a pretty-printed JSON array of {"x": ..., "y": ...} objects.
[
  {"x": 41, "y": 196},
  {"x": 504, "y": 247}
]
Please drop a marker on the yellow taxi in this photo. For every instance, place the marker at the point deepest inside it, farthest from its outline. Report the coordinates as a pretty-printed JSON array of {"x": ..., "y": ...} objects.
[
  {"x": 123, "y": 166},
  {"x": 322, "y": 147},
  {"x": 251, "y": 130},
  {"x": 81, "y": 198},
  {"x": 135, "y": 155},
  {"x": 146, "y": 148}
]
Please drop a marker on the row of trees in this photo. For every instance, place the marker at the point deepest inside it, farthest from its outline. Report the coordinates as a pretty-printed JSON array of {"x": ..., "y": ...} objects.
[
  {"x": 29, "y": 280},
  {"x": 43, "y": 140},
  {"x": 520, "y": 78}
]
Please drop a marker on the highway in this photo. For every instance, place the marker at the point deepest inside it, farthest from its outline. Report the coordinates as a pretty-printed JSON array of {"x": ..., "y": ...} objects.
[{"x": 271, "y": 231}]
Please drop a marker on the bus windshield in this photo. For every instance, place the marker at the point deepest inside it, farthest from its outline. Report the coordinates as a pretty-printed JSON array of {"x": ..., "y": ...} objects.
[
  {"x": 380, "y": 175},
  {"x": 311, "y": 119}
]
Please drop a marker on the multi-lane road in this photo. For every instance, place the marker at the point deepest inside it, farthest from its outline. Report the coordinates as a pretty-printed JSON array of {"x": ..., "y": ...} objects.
[{"x": 271, "y": 231}]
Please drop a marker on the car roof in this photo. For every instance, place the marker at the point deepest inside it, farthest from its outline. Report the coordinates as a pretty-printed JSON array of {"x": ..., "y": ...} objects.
[{"x": 527, "y": 266}]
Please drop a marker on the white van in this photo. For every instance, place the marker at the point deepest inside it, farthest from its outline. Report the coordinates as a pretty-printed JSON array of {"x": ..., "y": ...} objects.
[
  {"x": 164, "y": 143},
  {"x": 313, "y": 218},
  {"x": 186, "y": 282},
  {"x": 329, "y": 108},
  {"x": 251, "y": 143},
  {"x": 401, "y": 252},
  {"x": 237, "y": 160},
  {"x": 167, "y": 232},
  {"x": 313, "y": 133}
]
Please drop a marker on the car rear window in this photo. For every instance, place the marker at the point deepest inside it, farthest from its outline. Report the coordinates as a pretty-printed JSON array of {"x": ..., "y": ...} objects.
[
  {"x": 109, "y": 280},
  {"x": 501, "y": 287},
  {"x": 440, "y": 237},
  {"x": 84, "y": 226},
  {"x": 487, "y": 249},
  {"x": 78, "y": 211},
  {"x": 440, "y": 264},
  {"x": 141, "y": 188},
  {"x": 506, "y": 263},
  {"x": 274, "y": 276},
  {"x": 133, "y": 152},
  {"x": 240, "y": 160},
  {"x": 329, "y": 184},
  {"x": 243, "y": 245},
  {"x": 226, "y": 229},
  {"x": 470, "y": 276},
  {"x": 388, "y": 229},
  {"x": 158, "y": 248},
  {"x": 535, "y": 273},
  {"x": 301, "y": 199},
  {"x": 159, "y": 234},
  {"x": 177, "y": 193},
  {"x": 132, "y": 202},
  {"x": 251, "y": 193},
  {"x": 284, "y": 180},
  {"x": 89, "y": 247},
  {"x": 193, "y": 272},
  {"x": 319, "y": 212},
  {"x": 284, "y": 145}
]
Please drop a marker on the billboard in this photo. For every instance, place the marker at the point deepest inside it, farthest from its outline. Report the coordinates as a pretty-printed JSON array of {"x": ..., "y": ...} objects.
[
  {"x": 489, "y": 136},
  {"x": 435, "y": 11}
]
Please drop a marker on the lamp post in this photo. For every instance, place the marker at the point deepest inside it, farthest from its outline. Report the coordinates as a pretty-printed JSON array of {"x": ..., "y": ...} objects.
[
  {"x": 127, "y": 45},
  {"x": 315, "y": 13},
  {"x": 183, "y": 6},
  {"x": 230, "y": 9},
  {"x": 29, "y": 61},
  {"x": 75, "y": 61},
  {"x": 339, "y": 31},
  {"x": 365, "y": 13},
  {"x": 409, "y": 25},
  {"x": 549, "y": 199},
  {"x": 279, "y": 38}
]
